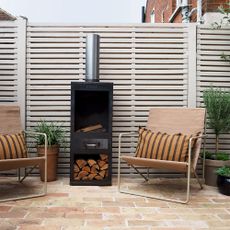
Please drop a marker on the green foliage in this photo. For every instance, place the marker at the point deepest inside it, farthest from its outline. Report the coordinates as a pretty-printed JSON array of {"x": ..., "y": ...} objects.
[
  {"x": 217, "y": 103},
  {"x": 208, "y": 155},
  {"x": 216, "y": 156},
  {"x": 223, "y": 171},
  {"x": 225, "y": 57},
  {"x": 225, "y": 21},
  {"x": 222, "y": 156},
  {"x": 55, "y": 133}
]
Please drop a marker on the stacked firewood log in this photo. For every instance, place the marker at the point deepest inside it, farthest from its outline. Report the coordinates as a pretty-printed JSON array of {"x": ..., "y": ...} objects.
[{"x": 91, "y": 169}]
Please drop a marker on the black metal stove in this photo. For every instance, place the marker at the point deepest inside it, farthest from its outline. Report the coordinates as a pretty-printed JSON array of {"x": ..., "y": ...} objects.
[{"x": 91, "y": 133}]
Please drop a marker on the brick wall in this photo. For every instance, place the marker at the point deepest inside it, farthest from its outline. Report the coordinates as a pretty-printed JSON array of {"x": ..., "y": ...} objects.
[
  {"x": 212, "y": 5},
  {"x": 4, "y": 16},
  {"x": 165, "y": 8}
]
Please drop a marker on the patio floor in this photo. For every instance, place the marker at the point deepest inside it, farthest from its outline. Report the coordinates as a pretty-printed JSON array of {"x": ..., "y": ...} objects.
[{"x": 92, "y": 207}]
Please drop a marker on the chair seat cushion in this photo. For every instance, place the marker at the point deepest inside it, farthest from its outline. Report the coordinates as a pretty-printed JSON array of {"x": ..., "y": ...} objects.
[
  {"x": 12, "y": 146},
  {"x": 162, "y": 146},
  {"x": 157, "y": 164}
]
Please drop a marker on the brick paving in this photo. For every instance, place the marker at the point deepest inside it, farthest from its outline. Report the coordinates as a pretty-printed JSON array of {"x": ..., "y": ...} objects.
[{"x": 78, "y": 207}]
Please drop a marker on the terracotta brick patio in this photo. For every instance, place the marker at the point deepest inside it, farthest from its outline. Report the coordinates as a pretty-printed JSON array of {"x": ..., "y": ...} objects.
[{"x": 72, "y": 207}]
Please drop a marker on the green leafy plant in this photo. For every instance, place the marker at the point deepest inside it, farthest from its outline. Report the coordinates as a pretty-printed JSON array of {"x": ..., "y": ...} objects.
[
  {"x": 55, "y": 133},
  {"x": 225, "y": 11},
  {"x": 216, "y": 156},
  {"x": 222, "y": 156},
  {"x": 217, "y": 103},
  {"x": 225, "y": 21},
  {"x": 223, "y": 171}
]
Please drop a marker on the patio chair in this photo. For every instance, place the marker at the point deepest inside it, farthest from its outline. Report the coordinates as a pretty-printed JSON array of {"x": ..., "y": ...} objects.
[
  {"x": 13, "y": 150},
  {"x": 171, "y": 140}
]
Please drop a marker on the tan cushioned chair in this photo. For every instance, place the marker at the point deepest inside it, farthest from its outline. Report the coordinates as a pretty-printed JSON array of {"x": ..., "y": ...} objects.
[
  {"x": 10, "y": 123},
  {"x": 187, "y": 121}
]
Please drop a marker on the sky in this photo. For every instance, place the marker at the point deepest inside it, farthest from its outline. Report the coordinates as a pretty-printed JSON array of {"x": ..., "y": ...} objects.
[{"x": 76, "y": 11}]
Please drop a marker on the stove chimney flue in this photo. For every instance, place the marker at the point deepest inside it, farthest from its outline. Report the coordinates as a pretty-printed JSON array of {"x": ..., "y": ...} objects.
[{"x": 92, "y": 57}]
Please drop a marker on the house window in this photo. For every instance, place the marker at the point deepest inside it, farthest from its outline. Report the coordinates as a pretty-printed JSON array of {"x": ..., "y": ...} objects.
[{"x": 152, "y": 17}]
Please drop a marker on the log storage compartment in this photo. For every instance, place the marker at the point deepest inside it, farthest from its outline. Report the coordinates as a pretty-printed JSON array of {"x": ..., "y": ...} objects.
[
  {"x": 91, "y": 133},
  {"x": 94, "y": 167}
]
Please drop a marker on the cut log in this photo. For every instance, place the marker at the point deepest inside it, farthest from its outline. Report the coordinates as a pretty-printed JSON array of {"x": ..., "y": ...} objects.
[
  {"x": 91, "y": 128},
  {"x": 102, "y": 173},
  {"x": 98, "y": 177},
  {"x": 82, "y": 174},
  {"x": 91, "y": 162},
  {"x": 104, "y": 157},
  {"x": 94, "y": 169},
  {"x": 76, "y": 168},
  {"x": 101, "y": 163},
  {"x": 75, "y": 175},
  {"x": 91, "y": 176},
  {"x": 81, "y": 163},
  {"x": 86, "y": 168},
  {"x": 105, "y": 166},
  {"x": 85, "y": 178}
]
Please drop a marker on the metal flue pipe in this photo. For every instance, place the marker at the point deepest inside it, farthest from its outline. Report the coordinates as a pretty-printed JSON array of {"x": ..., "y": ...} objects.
[{"x": 92, "y": 57}]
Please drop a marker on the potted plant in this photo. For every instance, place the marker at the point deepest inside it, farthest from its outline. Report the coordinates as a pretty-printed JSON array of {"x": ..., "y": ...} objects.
[
  {"x": 217, "y": 103},
  {"x": 55, "y": 136},
  {"x": 223, "y": 180}
]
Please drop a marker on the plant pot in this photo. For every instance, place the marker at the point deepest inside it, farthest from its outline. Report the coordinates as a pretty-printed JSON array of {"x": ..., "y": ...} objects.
[
  {"x": 52, "y": 154},
  {"x": 210, "y": 170},
  {"x": 223, "y": 184}
]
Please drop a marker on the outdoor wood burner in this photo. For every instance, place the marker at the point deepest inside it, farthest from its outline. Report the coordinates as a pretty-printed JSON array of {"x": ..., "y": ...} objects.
[{"x": 91, "y": 133}]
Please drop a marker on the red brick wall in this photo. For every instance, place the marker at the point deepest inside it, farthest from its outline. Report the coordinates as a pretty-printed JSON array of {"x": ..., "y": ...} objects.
[
  {"x": 212, "y": 5},
  {"x": 163, "y": 9},
  {"x": 167, "y": 7},
  {"x": 5, "y": 17}
]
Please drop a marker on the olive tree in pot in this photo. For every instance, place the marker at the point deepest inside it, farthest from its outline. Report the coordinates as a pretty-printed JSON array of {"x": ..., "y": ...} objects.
[
  {"x": 217, "y": 103},
  {"x": 55, "y": 136},
  {"x": 223, "y": 180}
]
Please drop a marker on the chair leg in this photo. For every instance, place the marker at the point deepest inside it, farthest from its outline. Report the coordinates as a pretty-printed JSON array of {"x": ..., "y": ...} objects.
[
  {"x": 197, "y": 178},
  {"x": 148, "y": 173},
  {"x": 30, "y": 196},
  {"x": 19, "y": 174},
  {"x": 27, "y": 173},
  {"x": 141, "y": 174},
  {"x": 155, "y": 197}
]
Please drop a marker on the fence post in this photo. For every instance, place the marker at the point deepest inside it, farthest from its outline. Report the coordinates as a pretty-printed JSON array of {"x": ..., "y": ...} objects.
[
  {"x": 192, "y": 64},
  {"x": 21, "y": 67}
]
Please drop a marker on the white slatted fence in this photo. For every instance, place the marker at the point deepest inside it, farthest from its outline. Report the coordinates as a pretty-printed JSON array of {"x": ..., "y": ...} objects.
[
  {"x": 213, "y": 71},
  {"x": 8, "y": 62},
  {"x": 150, "y": 65},
  {"x": 147, "y": 64}
]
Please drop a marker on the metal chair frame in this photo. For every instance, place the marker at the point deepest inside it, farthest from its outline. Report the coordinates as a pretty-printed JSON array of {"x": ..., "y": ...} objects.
[
  {"x": 44, "y": 190},
  {"x": 189, "y": 167}
]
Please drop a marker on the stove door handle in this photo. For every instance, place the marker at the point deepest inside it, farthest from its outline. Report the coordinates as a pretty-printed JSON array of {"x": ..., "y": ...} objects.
[{"x": 91, "y": 145}]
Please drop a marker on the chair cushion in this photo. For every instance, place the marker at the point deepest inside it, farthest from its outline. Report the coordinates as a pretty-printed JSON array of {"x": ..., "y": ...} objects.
[
  {"x": 12, "y": 146},
  {"x": 162, "y": 146}
]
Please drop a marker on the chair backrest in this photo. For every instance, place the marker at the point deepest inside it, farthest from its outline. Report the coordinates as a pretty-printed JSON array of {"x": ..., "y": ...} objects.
[
  {"x": 179, "y": 120},
  {"x": 176, "y": 120},
  {"x": 10, "y": 121}
]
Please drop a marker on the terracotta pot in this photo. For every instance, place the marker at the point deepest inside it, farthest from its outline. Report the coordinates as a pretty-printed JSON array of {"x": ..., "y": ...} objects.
[
  {"x": 52, "y": 155},
  {"x": 223, "y": 184},
  {"x": 210, "y": 170}
]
